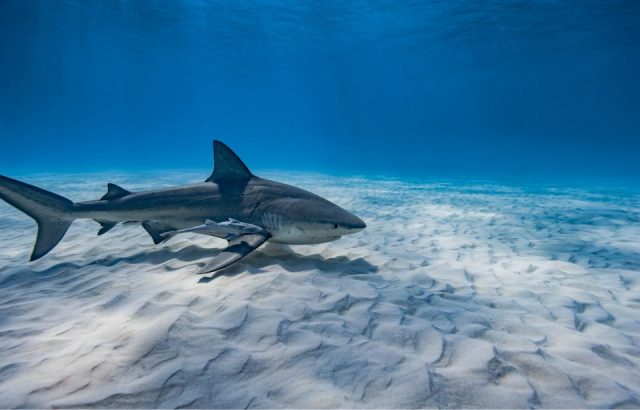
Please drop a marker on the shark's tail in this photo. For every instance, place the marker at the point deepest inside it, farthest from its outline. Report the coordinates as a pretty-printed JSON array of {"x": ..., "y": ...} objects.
[{"x": 52, "y": 212}]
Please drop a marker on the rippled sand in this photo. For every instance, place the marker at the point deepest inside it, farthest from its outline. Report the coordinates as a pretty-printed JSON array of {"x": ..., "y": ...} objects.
[{"x": 454, "y": 296}]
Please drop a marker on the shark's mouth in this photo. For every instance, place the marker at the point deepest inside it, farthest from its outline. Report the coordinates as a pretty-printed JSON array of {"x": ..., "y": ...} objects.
[{"x": 324, "y": 239}]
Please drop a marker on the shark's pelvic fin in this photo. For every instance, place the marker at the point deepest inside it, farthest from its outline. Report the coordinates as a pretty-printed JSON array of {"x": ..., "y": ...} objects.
[
  {"x": 156, "y": 229},
  {"x": 114, "y": 192},
  {"x": 227, "y": 166},
  {"x": 238, "y": 248},
  {"x": 105, "y": 227}
]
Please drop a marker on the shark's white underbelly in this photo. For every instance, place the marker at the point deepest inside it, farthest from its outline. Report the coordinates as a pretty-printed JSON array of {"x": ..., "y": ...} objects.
[{"x": 294, "y": 233}]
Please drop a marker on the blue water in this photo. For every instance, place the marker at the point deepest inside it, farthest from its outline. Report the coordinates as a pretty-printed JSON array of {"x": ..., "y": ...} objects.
[{"x": 543, "y": 89}]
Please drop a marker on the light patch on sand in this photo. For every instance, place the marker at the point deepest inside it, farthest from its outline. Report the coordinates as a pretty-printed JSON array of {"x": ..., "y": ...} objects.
[{"x": 474, "y": 295}]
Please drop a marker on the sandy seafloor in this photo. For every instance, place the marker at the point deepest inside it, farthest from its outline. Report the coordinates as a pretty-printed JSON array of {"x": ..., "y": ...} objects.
[{"x": 456, "y": 295}]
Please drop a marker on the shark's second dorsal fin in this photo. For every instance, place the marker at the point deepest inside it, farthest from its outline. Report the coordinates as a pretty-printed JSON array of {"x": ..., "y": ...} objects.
[
  {"x": 114, "y": 192},
  {"x": 227, "y": 166}
]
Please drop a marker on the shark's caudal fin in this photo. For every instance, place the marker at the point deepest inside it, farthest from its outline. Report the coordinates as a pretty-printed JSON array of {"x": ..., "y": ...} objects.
[
  {"x": 50, "y": 211},
  {"x": 227, "y": 166}
]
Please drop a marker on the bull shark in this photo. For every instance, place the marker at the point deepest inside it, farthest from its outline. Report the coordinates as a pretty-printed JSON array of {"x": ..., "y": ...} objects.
[{"x": 255, "y": 209}]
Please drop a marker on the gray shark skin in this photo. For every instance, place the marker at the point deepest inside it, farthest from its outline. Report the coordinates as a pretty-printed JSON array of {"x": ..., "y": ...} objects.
[{"x": 284, "y": 213}]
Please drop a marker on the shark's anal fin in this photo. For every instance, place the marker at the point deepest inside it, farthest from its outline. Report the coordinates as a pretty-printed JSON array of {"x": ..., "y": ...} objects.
[
  {"x": 237, "y": 249},
  {"x": 155, "y": 230},
  {"x": 114, "y": 192},
  {"x": 227, "y": 166},
  {"x": 105, "y": 227}
]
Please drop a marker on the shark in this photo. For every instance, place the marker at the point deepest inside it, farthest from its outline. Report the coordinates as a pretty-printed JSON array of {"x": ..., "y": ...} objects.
[{"x": 232, "y": 203}]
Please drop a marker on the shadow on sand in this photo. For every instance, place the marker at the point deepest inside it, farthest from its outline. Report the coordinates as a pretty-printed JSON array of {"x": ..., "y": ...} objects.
[
  {"x": 254, "y": 263},
  {"x": 295, "y": 262}
]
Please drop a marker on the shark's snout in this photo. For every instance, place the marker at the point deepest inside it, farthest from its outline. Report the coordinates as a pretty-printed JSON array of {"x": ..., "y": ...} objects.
[
  {"x": 350, "y": 224},
  {"x": 356, "y": 224}
]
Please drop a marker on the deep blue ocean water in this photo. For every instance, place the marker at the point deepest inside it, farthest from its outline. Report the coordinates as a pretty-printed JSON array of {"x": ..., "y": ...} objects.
[
  {"x": 492, "y": 148},
  {"x": 509, "y": 89}
]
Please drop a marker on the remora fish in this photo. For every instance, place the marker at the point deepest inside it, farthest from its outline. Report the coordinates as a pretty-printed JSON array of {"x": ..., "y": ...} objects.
[
  {"x": 284, "y": 213},
  {"x": 229, "y": 230}
]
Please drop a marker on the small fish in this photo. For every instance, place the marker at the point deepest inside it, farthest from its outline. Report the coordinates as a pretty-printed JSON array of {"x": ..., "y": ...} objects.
[{"x": 229, "y": 230}]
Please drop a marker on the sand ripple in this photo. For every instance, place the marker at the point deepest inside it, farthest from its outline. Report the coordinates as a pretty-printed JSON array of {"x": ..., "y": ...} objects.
[{"x": 455, "y": 296}]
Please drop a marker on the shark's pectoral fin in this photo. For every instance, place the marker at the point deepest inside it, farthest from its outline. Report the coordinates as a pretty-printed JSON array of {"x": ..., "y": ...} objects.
[
  {"x": 155, "y": 230},
  {"x": 237, "y": 249}
]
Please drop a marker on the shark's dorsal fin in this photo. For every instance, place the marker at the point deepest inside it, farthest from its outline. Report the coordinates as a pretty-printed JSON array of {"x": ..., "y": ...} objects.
[
  {"x": 227, "y": 166},
  {"x": 114, "y": 192}
]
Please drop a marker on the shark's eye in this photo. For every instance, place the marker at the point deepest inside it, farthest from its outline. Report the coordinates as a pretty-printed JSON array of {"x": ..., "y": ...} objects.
[{"x": 335, "y": 226}]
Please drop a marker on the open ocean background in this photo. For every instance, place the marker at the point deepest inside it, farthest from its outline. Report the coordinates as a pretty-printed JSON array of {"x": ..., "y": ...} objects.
[
  {"x": 544, "y": 89},
  {"x": 492, "y": 148}
]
